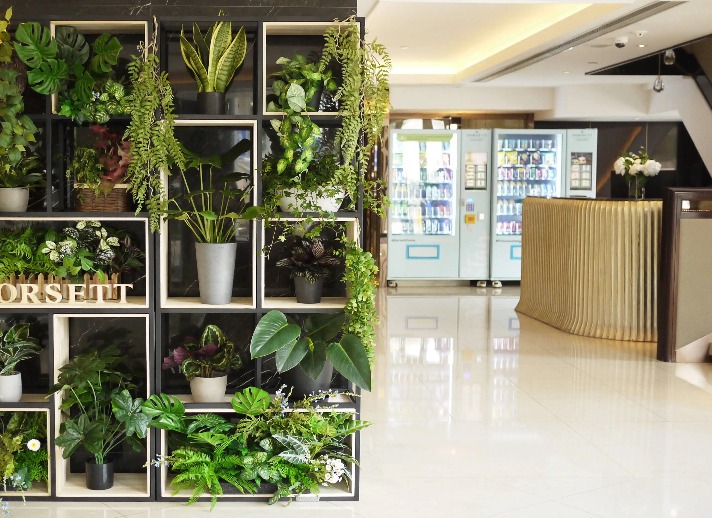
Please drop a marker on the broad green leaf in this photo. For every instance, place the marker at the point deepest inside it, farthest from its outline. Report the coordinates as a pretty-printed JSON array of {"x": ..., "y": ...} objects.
[
  {"x": 200, "y": 43},
  {"x": 230, "y": 61},
  {"x": 72, "y": 47},
  {"x": 289, "y": 357},
  {"x": 128, "y": 411},
  {"x": 166, "y": 412},
  {"x": 194, "y": 63},
  {"x": 34, "y": 44},
  {"x": 251, "y": 401},
  {"x": 219, "y": 43},
  {"x": 325, "y": 326},
  {"x": 296, "y": 98},
  {"x": 48, "y": 77},
  {"x": 83, "y": 84},
  {"x": 314, "y": 361},
  {"x": 350, "y": 359},
  {"x": 106, "y": 54},
  {"x": 272, "y": 333}
]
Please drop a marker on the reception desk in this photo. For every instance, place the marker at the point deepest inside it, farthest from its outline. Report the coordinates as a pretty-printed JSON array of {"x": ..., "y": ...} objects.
[{"x": 590, "y": 267}]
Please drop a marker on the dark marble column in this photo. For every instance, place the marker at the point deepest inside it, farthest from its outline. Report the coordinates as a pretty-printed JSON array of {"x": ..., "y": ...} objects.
[{"x": 315, "y": 9}]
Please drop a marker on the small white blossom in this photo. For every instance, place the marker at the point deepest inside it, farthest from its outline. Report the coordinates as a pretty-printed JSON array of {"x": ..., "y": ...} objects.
[
  {"x": 33, "y": 445},
  {"x": 335, "y": 470}
]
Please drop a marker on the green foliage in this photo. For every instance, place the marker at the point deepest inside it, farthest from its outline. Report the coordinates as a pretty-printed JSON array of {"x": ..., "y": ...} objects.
[
  {"x": 23, "y": 457},
  {"x": 311, "y": 346},
  {"x": 151, "y": 132},
  {"x": 16, "y": 345},
  {"x": 363, "y": 105},
  {"x": 100, "y": 411},
  {"x": 20, "y": 253},
  {"x": 361, "y": 279},
  {"x": 102, "y": 165},
  {"x": 213, "y": 355},
  {"x": 17, "y": 131},
  {"x": 206, "y": 207},
  {"x": 216, "y": 55},
  {"x": 309, "y": 257},
  {"x": 269, "y": 443},
  {"x": 80, "y": 73},
  {"x": 26, "y": 173},
  {"x": 88, "y": 247}
]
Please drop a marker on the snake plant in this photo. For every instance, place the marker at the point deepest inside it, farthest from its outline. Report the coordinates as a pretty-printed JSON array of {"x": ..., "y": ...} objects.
[{"x": 214, "y": 57}]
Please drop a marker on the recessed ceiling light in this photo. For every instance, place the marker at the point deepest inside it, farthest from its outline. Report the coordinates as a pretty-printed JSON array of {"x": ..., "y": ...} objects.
[
  {"x": 566, "y": 72},
  {"x": 405, "y": 47},
  {"x": 642, "y": 46},
  {"x": 637, "y": 118},
  {"x": 593, "y": 62},
  {"x": 570, "y": 48}
]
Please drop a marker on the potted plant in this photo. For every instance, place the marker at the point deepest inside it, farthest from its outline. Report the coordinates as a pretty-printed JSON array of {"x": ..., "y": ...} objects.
[
  {"x": 100, "y": 412},
  {"x": 152, "y": 124},
  {"x": 210, "y": 207},
  {"x": 312, "y": 347},
  {"x": 24, "y": 456},
  {"x": 213, "y": 59},
  {"x": 16, "y": 345},
  {"x": 310, "y": 261},
  {"x": 99, "y": 172},
  {"x": 290, "y": 450},
  {"x": 205, "y": 363},
  {"x": 298, "y": 75},
  {"x": 18, "y": 171},
  {"x": 364, "y": 102},
  {"x": 80, "y": 73}
]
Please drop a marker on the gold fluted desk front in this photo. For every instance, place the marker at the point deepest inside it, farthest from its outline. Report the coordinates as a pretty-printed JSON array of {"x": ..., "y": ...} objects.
[{"x": 590, "y": 267}]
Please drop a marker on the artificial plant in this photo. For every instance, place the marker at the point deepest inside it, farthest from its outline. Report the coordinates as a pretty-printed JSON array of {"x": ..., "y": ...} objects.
[
  {"x": 155, "y": 149},
  {"x": 79, "y": 72},
  {"x": 16, "y": 345},
  {"x": 20, "y": 253},
  {"x": 214, "y": 57},
  {"x": 100, "y": 411},
  {"x": 103, "y": 164},
  {"x": 23, "y": 459},
  {"x": 211, "y": 356},
  {"x": 364, "y": 102},
  {"x": 311, "y": 345},
  {"x": 309, "y": 257}
]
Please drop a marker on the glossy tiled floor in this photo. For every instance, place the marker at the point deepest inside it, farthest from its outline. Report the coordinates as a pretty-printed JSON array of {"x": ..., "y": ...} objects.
[{"x": 480, "y": 412}]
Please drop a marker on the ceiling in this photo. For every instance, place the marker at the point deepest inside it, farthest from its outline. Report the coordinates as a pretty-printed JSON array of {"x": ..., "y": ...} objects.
[{"x": 477, "y": 42}]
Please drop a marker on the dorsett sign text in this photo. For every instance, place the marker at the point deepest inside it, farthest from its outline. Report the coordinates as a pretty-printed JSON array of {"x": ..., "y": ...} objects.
[{"x": 51, "y": 293}]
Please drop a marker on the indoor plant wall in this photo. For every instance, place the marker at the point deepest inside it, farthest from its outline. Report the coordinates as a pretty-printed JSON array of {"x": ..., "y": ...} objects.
[
  {"x": 205, "y": 363},
  {"x": 23, "y": 450}
]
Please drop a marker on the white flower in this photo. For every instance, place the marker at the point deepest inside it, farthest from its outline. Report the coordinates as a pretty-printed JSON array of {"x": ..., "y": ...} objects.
[
  {"x": 619, "y": 166},
  {"x": 335, "y": 471},
  {"x": 635, "y": 168},
  {"x": 651, "y": 168},
  {"x": 33, "y": 445}
]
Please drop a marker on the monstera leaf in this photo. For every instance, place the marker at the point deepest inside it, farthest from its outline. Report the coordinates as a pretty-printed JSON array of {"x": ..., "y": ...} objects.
[
  {"x": 48, "y": 77},
  {"x": 72, "y": 47},
  {"x": 251, "y": 401},
  {"x": 34, "y": 44},
  {"x": 166, "y": 412},
  {"x": 106, "y": 54}
]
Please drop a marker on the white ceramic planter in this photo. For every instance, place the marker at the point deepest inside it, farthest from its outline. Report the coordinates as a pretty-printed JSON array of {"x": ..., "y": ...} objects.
[
  {"x": 11, "y": 388},
  {"x": 208, "y": 390},
  {"x": 216, "y": 269},
  {"x": 289, "y": 203},
  {"x": 14, "y": 199}
]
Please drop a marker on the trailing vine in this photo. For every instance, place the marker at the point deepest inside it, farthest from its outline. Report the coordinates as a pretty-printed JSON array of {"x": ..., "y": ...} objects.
[
  {"x": 364, "y": 101},
  {"x": 361, "y": 281},
  {"x": 154, "y": 147}
]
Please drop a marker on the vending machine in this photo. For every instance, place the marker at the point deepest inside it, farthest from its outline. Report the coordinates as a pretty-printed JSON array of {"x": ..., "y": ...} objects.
[
  {"x": 474, "y": 196},
  {"x": 528, "y": 163},
  {"x": 423, "y": 215},
  {"x": 581, "y": 147}
]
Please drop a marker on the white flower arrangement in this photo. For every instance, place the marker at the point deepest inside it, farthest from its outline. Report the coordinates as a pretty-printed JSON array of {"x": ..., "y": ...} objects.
[
  {"x": 335, "y": 470},
  {"x": 633, "y": 165}
]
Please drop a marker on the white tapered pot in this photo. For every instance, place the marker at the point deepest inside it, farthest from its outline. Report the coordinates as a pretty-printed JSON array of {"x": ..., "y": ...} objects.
[
  {"x": 208, "y": 390},
  {"x": 11, "y": 388},
  {"x": 14, "y": 199}
]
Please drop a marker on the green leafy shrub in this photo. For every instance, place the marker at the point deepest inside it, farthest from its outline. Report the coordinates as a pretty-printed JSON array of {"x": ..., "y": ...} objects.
[{"x": 23, "y": 452}]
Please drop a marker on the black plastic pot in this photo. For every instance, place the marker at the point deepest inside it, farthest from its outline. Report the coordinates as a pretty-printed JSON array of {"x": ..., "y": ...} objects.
[
  {"x": 99, "y": 476},
  {"x": 211, "y": 103},
  {"x": 308, "y": 292},
  {"x": 303, "y": 384}
]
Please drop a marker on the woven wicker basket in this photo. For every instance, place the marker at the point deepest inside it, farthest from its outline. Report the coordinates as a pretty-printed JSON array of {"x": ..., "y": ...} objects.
[{"x": 116, "y": 200}]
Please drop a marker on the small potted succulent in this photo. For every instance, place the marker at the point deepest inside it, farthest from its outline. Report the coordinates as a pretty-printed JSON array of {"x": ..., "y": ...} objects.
[
  {"x": 310, "y": 261},
  {"x": 16, "y": 345},
  {"x": 309, "y": 353},
  {"x": 213, "y": 58},
  {"x": 99, "y": 171},
  {"x": 205, "y": 363}
]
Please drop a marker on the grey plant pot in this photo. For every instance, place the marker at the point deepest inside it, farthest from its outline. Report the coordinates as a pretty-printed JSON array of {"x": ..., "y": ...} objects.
[
  {"x": 303, "y": 384},
  {"x": 99, "y": 476},
  {"x": 216, "y": 268},
  {"x": 308, "y": 292},
  {"x": 211, "y": 103},
  {"x": 14, "y": 199}
]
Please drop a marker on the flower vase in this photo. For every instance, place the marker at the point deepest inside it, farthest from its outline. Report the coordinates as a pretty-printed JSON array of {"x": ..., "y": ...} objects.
[{"x": 636, "y": 187}]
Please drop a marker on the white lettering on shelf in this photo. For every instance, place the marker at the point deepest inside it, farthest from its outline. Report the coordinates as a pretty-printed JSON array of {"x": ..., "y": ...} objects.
[{"x": 32, "y": 293}]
